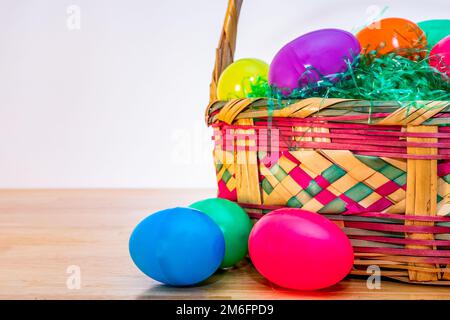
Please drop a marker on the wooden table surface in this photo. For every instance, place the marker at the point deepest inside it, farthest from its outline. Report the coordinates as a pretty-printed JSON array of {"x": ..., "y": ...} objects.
[{"x": 44, "y": 233}]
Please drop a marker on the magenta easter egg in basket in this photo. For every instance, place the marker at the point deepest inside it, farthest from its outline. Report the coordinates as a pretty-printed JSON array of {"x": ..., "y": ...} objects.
[
  {"x": 440, "y": 56},
  {"x": 315, "y": 54},
  {"x": 300, "y": 250}
]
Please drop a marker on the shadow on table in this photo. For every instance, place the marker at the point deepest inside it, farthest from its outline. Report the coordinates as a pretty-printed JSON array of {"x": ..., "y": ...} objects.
[
  {"x": 203, "y": 290},
  {"x": 241, "y": 282},
  {"x": 278, "y": 292}
]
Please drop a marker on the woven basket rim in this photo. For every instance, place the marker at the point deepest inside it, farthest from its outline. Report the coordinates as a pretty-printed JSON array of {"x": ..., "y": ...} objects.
[{"x": 419, "y": 112}]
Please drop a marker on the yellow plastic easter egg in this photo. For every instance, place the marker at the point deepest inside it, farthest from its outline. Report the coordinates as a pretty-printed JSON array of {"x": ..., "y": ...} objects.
[{"x": 236, "y": 80}]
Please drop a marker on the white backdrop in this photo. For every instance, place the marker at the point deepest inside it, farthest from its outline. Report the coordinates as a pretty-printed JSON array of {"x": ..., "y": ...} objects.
[{"x": 108, "y": 93}]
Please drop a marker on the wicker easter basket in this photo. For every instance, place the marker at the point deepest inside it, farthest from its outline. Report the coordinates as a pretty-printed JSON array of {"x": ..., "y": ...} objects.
[{"x": 387, "y": 183}]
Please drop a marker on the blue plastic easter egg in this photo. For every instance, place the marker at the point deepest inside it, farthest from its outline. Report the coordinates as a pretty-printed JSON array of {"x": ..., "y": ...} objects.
[{"x": 178, "y": 247}]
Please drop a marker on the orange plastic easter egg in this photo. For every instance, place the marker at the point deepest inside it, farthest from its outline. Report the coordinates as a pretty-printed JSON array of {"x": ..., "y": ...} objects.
[{"x": 397, "y": 35}]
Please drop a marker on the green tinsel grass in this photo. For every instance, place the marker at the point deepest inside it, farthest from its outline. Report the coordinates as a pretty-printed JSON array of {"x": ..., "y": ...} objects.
[{"x": 389, "y": 77}]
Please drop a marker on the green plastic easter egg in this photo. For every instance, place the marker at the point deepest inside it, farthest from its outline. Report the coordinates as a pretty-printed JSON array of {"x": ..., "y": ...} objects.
[
  {"x": 234, "y": 223},
  {"x": 435, "y": 30}
]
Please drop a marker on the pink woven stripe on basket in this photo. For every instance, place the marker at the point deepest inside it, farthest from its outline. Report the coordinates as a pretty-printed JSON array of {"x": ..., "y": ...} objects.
[
  {"x": 387, "y": 188},
  {"x": 342, "y": 139},
  {"x": 343, "y": 128},
  {"x": 418, "y": 259},
  {"x": 361, "y": 214},
  {"x": 404, "y": 156},
  {"x": 400, "y": 216},
  {"x": 397, "y": 228},
  {"x": 421, "y": 242},
  {"x": 443, "y": 169},
  {"x": 405, "y": 252},
  {"x": 325, "y": 197},
  {"x": 361, "y": 139},
  {"x": 363, "y": 150}
]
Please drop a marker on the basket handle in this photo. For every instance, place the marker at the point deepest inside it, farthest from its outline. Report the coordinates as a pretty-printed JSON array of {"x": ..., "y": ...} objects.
[{"x": 227, "y": 45}]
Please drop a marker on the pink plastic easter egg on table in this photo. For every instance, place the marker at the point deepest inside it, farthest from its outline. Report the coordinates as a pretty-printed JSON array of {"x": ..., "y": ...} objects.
[
  {"x": 440, "y": 56},
  {"x": 300, "y": 250},
  {"x": 324, "y": 52}
]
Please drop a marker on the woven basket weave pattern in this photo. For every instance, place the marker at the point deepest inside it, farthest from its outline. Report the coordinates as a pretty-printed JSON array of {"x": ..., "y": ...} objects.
[{"x": 380, "y": 170}]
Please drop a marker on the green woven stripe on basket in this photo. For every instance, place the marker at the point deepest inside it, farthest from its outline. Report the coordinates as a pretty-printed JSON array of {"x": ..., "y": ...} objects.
[
  {"x": 358, "y": 192},
  {"x": 335, "y": 206},
  {"x": 401, "y": 181},
  {"x": 218, "y": 166},
  {"x": 226, "y": 176},
  {"x": 386, "y": 169},
  {"x": 313, "y": 188},
  {"x": 267, "y": 187},
  {"x": 333, "y": 173},
  {"x": 374, "y": 162},
  {"x": 446, "y": 178},
  {"x": 391, "y": 172},
  {"x": 278, "y": 172},
  {"x": 294, "y": 203}
]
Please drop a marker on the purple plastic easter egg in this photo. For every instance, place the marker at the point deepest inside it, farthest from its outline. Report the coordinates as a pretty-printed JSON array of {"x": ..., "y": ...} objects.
[{"x": 323, "y": 52}]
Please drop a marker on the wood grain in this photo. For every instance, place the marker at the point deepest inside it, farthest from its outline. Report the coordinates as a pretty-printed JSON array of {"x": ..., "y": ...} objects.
[
  {"x": 421, "y": 195},
  {"x": 42, "y": 232}
]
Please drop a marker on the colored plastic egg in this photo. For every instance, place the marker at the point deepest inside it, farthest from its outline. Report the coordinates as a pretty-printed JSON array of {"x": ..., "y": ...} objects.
[
  {"x": 234, "y": 223},
  {"x": 397, "y": 35},
  {"x": 440, "y": 56},
  {"x": 311, "y": 56},
  {"x": 179, "y": 246},
  {"x": 237, "y": 79},
  {"x": 300, "y": 250},
  {"x": 435, "y": 30}
]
